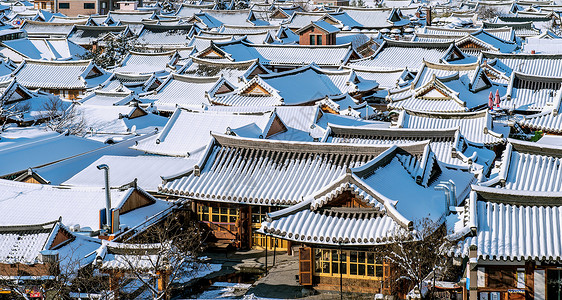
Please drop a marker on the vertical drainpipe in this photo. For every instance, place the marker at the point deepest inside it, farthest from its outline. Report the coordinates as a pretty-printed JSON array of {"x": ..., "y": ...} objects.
[{"x": 107, "y": 194}]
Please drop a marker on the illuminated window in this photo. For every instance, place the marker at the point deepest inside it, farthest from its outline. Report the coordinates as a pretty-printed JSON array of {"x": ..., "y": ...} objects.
[
  {"x": 217, "y": 214},
  {"x": 352, "y": 263}
]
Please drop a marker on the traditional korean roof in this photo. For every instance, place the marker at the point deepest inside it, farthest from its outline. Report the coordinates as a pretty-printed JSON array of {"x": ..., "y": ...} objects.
[
  {"x": 236, "y": 73},
  {"x": 291, "y": 87},
  {"x": 131, "y": 16},
  {"x": 376, "y": 18},
  {"x": 45, "y": 29},
  {"x": 385, "y": 211},
  {"x": 532, "y": 93},
  {"x": 508, "y": 232},
  {"x": 119, "y": 120},
  {"x": 294, "y": 169},
  {"x": 230, "y": 17},
  {"x": 183, "y": 91},
  {"x": 449, "y": 145},
  {"x": 22, "y": 244},
  {"x": 144, "y": 63},
  {"x": 126, "y": 83},
  {"x": 146, "y": 170},
  {"x": 87, "y": 35},
  {"x": 100, "y": 97},
  {"x": 434, "y": 96},
  {"x": 528, "y": 167},
  {"x": 504, "y": 33},
  {"x": 157, "y": 35},
  {"x": 548, "y": 121},
  {"x": 30, "y": 203},
  {"x": 280, "y": 55},
  {"x": 78, "y": 74},
  {"x": 476, "y": 127},
  {"x": 400, "y": 54},
  {"x": 188, "y": 132},
  {"x": 244, "y": 29},
  {"x": 46, "y": 49},
  {"x": 547, "y": 65},
  {"x": 521, "y": 29}
]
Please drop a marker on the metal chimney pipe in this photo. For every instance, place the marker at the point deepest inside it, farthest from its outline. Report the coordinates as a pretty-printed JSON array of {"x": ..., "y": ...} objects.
[{"x": 107, "y": 193}]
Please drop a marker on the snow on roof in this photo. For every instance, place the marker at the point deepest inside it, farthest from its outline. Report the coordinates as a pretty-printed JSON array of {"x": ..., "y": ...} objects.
[
  {"x": 183, "y": 91},
  {"x": 30, "y": 203},
  {"x": 230, "y": 17},
  {"x": 548, "y": 121},
  {"x": 43, "y": 151},
  {"x": 412, "y": 55},
  {"x": 124, "y": 169},
  {"x": 47, "y": 49},
  {"x": 532, "y": 93},
  {"x": 131, "y": 16},
  {"x": 389, "y": 209},
  {"x": 57, "y": 74},
  {"x": 376, "y": 17},
  {"x": 189, "y": 132},
  {"x": 63, "y": 170},
  {"x": 22, "y": 244},
  {"x": 144, "y": 63},
  {"x": 86, "y": 35},
  {"x": 288, "y": 55},
  {"x": 294, "y": 169},
  {"x": 233, "y": 72},
  {"x": 36, "y": 28},
  {"x": 514, "y": 232},
  {"x": 476, "y": 127},
  {"x": 165, "y": 34},
  {"x": 531, "y": 167},
  {"x": 99, "y": 97},
  {"x": 548, "y": 65},
  {"x": 102, "y": 119}
]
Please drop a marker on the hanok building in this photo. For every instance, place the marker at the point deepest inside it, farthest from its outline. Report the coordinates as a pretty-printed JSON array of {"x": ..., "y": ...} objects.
[
  {"x": 166, "y": 36},
  {"x": 450, "y": 147},
  {"x": 280, "y": 57},
  {"x": 239, "y": 180},
  {"x": 147, "y": 63},
  {"x": 69, "y": 79},
  {"x": 91, "y": 37},
  {"x": 399, "y": 54},
  {"x": 291, "y": 88},
  {"x": 477, "y": 127},
  {"x": 340, "y": 224},
  {"x": 528, "y": 94},
  {"x": 510, "y": 232}
]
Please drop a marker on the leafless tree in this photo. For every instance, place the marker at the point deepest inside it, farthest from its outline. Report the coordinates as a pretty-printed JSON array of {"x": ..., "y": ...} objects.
[
  {"x": 167, "y": 251},
  {"x": 62, "y": 116},
  {"x": 487, "y": 12},
  {"x": 415, "y": 254},
  {"x": 10, "y": 110}
]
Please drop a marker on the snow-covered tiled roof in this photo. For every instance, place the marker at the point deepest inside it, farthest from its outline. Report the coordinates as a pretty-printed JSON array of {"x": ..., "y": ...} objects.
[
  {"x": 144, "y": 63},
  {"x": 56, "y": 74},
  {"x": 86, "y": 35},
  {"x": 181, "y": 90},
  {"x": 515, "y": 232},
  {"x": 39, "y": 152},
  {"x": 288, "y": 55},
  {"x": 548, "y": 65},
  {"x": 46, "y": 49},
  {"x": 44, "y": 29},
  {"x": 400, "y": 54},
  {"x": 529, "y": 167},
  {"x": 125, "y": 169},
  {"x": 476, "y": 127},
  {"x": 188, "y": 132},
  {"x": 532, "y": 93},
  {"x": 167, "y": 35},
  {"x": 30, "y": 203},
  {"x": 22, "y": 244},
  {"x": 294, "y": 170}
]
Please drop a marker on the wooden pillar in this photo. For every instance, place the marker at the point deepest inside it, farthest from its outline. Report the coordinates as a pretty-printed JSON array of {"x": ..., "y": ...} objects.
[
  {"x": 473, "y": 273},
  {"x": 163, "y": 278},
  {"x": 530, "y": 280},
  {"x": 114, "y": 279},
  {"x": 290, "y": 248}
]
